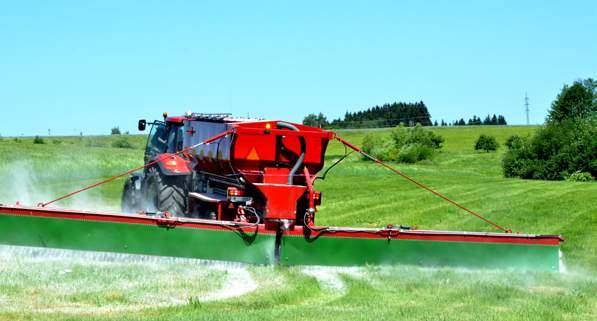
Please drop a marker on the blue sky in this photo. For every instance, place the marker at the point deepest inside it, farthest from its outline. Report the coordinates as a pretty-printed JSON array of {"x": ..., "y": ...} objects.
[{"x": 74, "y": 66}]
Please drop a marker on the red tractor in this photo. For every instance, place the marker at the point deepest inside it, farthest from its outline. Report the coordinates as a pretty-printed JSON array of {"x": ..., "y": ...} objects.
[{"x": 262, "y": 170}]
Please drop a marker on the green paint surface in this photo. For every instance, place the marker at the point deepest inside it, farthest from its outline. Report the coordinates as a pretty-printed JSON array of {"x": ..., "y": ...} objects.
[
  {"x": 258, "y": 248},
  {"x": 136, "y": 239},
  {"x": 360, "y": 251}
]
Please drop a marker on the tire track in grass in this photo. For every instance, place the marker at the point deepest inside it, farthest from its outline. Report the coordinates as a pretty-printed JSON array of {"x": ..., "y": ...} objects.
[
  {"x": 331, "y": 280},
  {"x": 63, "y": 281},
  {"x": 238, "y": 282},
  {"x": 327, "y": 278}
]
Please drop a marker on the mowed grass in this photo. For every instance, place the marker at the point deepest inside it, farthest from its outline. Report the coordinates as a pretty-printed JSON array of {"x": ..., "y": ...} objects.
[{"x": 356, "y": 193}]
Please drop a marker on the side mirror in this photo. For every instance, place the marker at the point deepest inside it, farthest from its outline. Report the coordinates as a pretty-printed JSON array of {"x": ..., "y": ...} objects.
[{"x": 142, "y": 124}]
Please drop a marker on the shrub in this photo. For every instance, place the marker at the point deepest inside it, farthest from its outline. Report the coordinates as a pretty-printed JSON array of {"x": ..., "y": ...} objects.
[
  {"x": 375, "y": 145},
  {"x": 555, "y": 152},
  {"x": 407, "y": 145},
  {"x": 122, "y": 142},
  {"x": 514, "y": 141},
  {"x": 38, "y": 140},
  {"x": 17, "y": 140},
  {"x": 115, "y": 131},
  {"x": 404, "y": 136},
  {"x": 579, "y": 176},
  {"x": 56, "y": 141},
  {"x": 486, "y": 143},
  {"x": 413, "y": 153}
]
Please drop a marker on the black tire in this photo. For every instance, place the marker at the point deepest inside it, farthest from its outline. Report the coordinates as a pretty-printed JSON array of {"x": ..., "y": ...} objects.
[
  {"x": 131, "y": 197},
  {"x": 166, "y": 193}
]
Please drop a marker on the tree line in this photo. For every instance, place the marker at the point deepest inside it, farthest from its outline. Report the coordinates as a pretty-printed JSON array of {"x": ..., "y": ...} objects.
[
  {"x": 476, "y": 121},
  {"x": 391, "y": 115},
  {"x": 387, "y": 115}
]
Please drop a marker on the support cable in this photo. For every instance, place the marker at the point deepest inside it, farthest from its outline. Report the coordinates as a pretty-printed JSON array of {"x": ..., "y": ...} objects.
[
  {"x": 157, "y": 160},
  {"x": 421, "y": 185}
]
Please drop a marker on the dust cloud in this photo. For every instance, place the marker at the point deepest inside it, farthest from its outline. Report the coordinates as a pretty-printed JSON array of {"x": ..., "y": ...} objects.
[{"x": 27, "y": 185}]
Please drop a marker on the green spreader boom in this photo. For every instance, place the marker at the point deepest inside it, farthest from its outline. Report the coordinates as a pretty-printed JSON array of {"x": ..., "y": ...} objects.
[{"x": 254, "y": 244}]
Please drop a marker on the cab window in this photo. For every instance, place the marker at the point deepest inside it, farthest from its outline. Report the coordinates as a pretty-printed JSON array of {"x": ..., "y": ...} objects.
[
  {"x": 175, "y": 139},
  {"x": 157, "y": 141}
]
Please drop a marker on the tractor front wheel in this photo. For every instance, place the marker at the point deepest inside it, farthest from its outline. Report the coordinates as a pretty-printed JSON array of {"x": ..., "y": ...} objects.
[
  {"x": 166, "y": 193},
  {"x": 131, "y": 197}
]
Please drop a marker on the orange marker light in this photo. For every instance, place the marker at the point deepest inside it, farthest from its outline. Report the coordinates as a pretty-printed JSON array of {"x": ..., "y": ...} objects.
[{"x": 268, "y": 128}]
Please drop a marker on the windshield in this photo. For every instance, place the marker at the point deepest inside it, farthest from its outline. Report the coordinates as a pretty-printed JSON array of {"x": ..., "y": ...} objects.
[
  {"x": 175, "y": 139},
  {"x": 163, "y": 138},
  {"x": 157, "y": 142}
]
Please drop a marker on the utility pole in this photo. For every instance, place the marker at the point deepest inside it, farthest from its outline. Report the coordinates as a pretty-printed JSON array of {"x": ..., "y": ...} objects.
[{"x": 526, "y": 105}]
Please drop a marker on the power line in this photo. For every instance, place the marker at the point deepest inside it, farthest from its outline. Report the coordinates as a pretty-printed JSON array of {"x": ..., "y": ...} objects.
[{"x": 526, "y": 104}]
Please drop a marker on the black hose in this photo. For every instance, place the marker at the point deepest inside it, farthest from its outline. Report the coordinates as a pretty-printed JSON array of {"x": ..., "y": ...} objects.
[
  {"x": 346, "y": 154},
  {"x": 301, "y": 158}
]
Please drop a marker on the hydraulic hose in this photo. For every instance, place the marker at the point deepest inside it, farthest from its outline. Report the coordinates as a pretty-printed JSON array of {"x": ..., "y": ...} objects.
[{"x": 301, "y": 159}]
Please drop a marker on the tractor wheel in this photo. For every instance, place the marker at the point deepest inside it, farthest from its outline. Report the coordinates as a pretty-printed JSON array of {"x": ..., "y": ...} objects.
[
  {"x": 131, "y": 197},
  {"x": 166, "y": 193}
]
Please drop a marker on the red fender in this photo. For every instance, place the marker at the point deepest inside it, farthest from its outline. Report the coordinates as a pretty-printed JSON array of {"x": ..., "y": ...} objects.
[{"x": 173, "y": 164}]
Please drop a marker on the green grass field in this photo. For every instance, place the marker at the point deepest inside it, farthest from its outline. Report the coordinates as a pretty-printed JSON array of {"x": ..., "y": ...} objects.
[{"x": 55, "y": 285}]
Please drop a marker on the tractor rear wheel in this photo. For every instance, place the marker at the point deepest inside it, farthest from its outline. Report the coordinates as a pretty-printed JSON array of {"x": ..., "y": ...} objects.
[{"x": 166, "y": 193}]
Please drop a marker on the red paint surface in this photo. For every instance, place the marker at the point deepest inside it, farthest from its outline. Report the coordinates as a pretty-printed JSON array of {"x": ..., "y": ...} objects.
[
  {"x": 422, "y": 235},
  {"x": 281, "y": 199},
  {"x": 174, "y": 163},
  {"x": 176, "y": 119}
]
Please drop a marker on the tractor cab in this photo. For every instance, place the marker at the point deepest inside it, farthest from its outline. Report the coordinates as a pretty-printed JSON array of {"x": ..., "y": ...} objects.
[
  {"x": 164, "y": 137},
  {"x": 161, "y": 187}
]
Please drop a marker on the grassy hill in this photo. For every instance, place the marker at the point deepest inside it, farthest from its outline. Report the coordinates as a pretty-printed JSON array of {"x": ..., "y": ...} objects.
[{"x": 355, "y": 193}]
